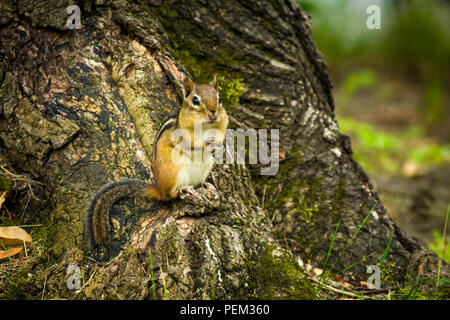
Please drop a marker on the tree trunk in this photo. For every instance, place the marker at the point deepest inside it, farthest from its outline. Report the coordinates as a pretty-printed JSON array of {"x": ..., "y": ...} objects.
[{"x": 80, "y": 108}]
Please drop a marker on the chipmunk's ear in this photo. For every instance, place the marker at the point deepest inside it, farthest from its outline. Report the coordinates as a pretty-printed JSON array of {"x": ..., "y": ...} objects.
[
  {"x": 214, "y": 83},
  {"x": 188, "y": 86}
]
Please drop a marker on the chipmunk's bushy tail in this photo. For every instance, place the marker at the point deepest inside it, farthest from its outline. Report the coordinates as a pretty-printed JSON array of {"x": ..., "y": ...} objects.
[{"x": 107, "y": 196}]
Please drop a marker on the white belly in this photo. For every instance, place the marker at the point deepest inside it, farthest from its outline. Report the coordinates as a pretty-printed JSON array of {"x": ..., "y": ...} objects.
[{"x": 193, "y": 172}]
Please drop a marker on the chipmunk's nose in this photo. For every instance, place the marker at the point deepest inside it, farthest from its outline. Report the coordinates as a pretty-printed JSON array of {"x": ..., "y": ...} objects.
[{"x": 212, "y": 115}]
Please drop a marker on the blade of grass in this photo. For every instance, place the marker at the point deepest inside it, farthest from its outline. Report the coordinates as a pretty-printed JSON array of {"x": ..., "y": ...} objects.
[
  {"x": 352, "y": 238},
  {"x": 443, "y": 247},
  {"x": 354, "y": 264},
  {"x": 387, "y": 248},
  {"x": 5, "y": 222},
  {"x": 332, "y": 242},
  {"x": 328, "y": 253},
  {"x": 151, "y": 273},
  {"x": 166, "y": 296},
  {"x": 413, "y": 292},
  {"x": 360, "y": 297}
]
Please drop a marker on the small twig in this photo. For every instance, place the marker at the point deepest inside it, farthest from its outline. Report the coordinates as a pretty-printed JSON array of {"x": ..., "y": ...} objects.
[
  {"x": 264, "y": 197},
  {"x": 117, "y": 294},
  {"x": 43, "y": 290},
  {"x": 25, "y": 247},
  {"x": 86, "y": 283},
  {"x": 93, "y": 260},
  {"x": 366, "y": 290},
  {"x": 24, "y": 209},
  {"x": 30, "y": 225},
  {"x": 274, "y": 215},
  {"x": 372, "y": 291},
  {"x": 334, "y": 289}
]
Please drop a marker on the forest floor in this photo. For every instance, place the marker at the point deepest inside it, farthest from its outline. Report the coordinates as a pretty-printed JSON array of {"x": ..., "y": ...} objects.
[{"x": 406, "y": 158}]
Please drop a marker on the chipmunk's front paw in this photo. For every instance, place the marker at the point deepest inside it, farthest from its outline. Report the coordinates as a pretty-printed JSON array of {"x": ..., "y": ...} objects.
[
  {"x": 187, "y": 190},
  {"x": 202, "y": 200}
]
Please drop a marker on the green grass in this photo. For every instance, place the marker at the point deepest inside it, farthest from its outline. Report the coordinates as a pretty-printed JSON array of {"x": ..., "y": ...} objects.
[
  {"x": 328, "y": 254},
  {"x": 364, "y": 78},
  {"x": 438, "y": 245},
  {"x": 387, "y": 248},
  {"x": 150, "y": 261},
  {"x": 349, "y": 242},
  {"x": 410, "y": 291},
  {"x": 378, "y": 151},
  {"x": 151, "y": 274},
  {"x": 324, "y": 274}
]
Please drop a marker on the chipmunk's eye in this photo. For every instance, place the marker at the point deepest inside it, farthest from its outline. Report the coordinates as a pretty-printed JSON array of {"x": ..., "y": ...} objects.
[
  {"x": 220, "y": 100},
  {"x": 195, "y": 101}
]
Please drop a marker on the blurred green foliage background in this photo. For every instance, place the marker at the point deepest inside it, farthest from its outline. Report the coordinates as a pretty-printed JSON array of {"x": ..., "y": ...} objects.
[{"x": 392, "y": 99}]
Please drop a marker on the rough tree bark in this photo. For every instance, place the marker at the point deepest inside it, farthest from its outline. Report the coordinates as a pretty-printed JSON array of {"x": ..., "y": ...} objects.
[{"x": 80, "y": 108}]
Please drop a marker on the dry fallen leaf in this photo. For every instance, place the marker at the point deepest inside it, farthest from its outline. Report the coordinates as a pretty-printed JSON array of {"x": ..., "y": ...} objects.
[
  {"x": 347, "y": 285},
  {"x": 338, "y": 278},
  {"x": 10, "y": 252},
  {"x": 317, "y": 271},
  {"x": 13, "y": 236}
]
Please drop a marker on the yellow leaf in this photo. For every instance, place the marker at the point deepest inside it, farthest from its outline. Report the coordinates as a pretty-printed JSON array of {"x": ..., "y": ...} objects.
[
  {"x": 13, "y": 236},
  {"x": 10, "y": 252}
]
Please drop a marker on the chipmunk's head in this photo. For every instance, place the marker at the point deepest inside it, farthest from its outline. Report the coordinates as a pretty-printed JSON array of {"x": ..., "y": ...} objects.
[{"x": 202, "y": 103}]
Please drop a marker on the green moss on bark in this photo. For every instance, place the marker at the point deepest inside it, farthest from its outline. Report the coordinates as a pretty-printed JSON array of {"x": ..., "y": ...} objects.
[
  {"x": 273, "y": 275},
  {"x": 298, "y": 197},
  {"x": 202, "y": 56}
]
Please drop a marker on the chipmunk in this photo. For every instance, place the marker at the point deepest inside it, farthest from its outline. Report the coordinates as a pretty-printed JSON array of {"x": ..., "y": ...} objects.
[{"x": 202, "y": 106}]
